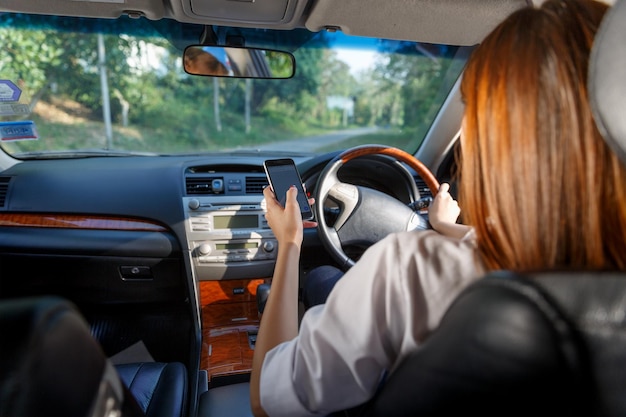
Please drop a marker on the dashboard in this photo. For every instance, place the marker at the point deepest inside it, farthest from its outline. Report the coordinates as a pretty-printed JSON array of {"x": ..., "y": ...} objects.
[
  {"x": 168, "y": 251},
  {"x": 208, "y": 207}
]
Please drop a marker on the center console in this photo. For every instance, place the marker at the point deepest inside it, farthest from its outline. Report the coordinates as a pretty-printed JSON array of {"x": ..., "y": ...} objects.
[
  {"x": 229, "y": 237},
  {"x": 233, "y": 251}
]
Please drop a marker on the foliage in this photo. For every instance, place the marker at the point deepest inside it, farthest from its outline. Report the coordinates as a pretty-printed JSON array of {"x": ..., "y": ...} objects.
[
  {"x": 155, "y": 106},
  {"x": 280, "y": 64}
]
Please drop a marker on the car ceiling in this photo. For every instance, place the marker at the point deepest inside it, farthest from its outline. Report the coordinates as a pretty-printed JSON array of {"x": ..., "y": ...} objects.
[{"x": 455, "y": 22}]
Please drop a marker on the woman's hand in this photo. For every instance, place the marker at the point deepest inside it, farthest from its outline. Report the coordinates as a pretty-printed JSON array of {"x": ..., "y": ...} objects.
[
  {"x": 444, "y": 208},
  {"x": 286, "y": 222},
  {"x": 444, "y": 212}
]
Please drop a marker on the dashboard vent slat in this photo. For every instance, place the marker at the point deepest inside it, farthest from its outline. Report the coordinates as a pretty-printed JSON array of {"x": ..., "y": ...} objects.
[
  {"x": 199, "y": 185},
  {"x": 255, "y": 185},
  {"x": 4, "y": 190},
  {"x": 422, "y": 187}
]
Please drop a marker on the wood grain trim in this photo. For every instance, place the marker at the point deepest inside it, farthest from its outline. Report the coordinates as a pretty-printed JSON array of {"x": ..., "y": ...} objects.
[
  {"x": 229, "y": 315},
  {"x": 71, "y": 221},
  {"x": 228, "y": 291},
  {"x": 226, "y": 351}
]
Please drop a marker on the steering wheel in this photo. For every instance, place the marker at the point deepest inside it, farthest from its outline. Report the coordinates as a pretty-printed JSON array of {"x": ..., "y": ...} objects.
[{"x": 365, "y": 215}]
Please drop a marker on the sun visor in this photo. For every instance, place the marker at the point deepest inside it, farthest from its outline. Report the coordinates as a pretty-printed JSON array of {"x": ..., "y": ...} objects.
[
  {"x": 152, "y": 9},
  {"x": 451, "y": 22}
]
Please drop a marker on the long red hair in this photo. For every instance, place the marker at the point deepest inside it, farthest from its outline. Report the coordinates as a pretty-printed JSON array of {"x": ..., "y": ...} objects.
[{"x": 538, "y": 183}]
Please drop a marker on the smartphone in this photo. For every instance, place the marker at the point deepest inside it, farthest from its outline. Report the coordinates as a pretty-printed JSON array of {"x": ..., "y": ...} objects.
[{"x": 282, "y": 174}]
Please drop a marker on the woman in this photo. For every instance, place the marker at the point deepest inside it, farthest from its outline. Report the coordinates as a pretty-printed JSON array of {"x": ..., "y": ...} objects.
[
  {"x": 204, "y": 61},
  {"x": 538, "y": 185}
]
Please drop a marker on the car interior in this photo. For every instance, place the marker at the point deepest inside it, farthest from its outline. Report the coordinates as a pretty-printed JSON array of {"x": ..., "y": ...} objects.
[{"x": 132, "y": 280}]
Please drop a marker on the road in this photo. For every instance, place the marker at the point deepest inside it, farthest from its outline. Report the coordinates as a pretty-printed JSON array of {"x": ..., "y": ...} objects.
[{"x": 313, "y": 143}]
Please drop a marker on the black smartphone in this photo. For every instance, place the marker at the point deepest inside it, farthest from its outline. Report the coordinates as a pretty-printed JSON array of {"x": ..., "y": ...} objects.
[{"x": 282, "y": 174}]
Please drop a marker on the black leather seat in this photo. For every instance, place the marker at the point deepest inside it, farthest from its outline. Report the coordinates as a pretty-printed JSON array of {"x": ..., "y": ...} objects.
[
  {"x": 503, "y": 348},
  {"x": 159, "y": 388},
  {"x": 542, "y": 344},
  {"x": 226, "y": 401},
  {"x": 50, "y": 365}
]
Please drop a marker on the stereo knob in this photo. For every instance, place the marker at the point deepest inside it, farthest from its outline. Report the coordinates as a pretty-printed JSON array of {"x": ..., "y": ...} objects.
[
  {"x": 194, "y": 203},
  {"x": 204, "y": 249},
  {"x": 268, "y": 246}
]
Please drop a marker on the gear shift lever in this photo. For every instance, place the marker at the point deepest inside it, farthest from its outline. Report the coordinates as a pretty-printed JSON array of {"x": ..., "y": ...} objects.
[{"x": 262, "y": 292}]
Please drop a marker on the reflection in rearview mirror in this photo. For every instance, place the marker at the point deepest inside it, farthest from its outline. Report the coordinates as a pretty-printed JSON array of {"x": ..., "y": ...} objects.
[{"x": 238, "y": 62}]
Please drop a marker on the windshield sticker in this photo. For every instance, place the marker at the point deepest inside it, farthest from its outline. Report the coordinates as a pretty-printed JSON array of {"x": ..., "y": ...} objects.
[
  {"x": 14, "y": 109},
  {"x": 9, "y": 91},
  {"x": 14, "y": 131}
]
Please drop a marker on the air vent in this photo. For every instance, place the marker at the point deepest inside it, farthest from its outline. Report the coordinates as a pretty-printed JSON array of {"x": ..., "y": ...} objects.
[
  {"x": 422, "y": 187},
  {"x": 4, "y": 189},
  {"x": 203, "y": 185},
  {"x": 255, "y": 185}
]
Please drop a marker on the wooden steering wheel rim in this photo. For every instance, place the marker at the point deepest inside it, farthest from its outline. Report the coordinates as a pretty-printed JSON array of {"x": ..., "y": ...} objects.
[{"x": 407, "y": 158}]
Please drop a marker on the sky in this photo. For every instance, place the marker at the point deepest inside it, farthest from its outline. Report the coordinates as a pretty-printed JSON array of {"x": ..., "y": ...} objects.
[{"x": 358, "y": 60}]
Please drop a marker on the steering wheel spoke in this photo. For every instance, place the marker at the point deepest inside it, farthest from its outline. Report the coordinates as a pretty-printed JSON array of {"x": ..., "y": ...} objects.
[
  {"x": 347, "y": 197},
  {"x": 333, "y": 235}
]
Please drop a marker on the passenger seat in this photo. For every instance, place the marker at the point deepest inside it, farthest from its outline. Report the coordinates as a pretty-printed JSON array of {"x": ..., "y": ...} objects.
[{"x": 51, "y": 365}]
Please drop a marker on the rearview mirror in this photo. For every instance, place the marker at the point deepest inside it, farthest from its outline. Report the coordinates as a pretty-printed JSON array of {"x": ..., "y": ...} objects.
[{"x": 238, "y": 62}]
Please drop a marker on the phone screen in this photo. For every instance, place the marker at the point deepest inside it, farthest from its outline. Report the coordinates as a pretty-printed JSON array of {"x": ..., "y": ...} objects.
[{"x": 282, "y": 174}]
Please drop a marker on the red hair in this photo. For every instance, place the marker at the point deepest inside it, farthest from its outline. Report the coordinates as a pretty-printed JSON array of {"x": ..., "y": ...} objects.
[{"x": 538, "y": 183}]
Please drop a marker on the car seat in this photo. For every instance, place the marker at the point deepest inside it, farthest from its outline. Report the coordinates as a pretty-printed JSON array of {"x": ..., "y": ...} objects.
[
  {"x": 515, "y": 345},
  {"x": 50, "y": 365}
]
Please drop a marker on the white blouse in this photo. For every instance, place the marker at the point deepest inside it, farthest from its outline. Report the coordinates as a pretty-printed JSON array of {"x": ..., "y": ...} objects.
[{"x": 378, "y": 312}]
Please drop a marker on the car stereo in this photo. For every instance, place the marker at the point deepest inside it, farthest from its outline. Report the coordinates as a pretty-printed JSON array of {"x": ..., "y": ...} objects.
[{"x": 229, "y": 239}]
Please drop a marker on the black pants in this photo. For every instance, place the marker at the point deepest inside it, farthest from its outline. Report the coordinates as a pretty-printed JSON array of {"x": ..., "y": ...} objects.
[{"x": 319, "y": 283}]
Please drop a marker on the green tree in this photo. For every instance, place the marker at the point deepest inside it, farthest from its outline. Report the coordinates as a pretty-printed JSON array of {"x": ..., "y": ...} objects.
[{"x": 28, "y": 55}]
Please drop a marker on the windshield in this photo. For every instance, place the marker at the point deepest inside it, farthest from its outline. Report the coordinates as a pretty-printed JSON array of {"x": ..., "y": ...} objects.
[{"x": 75, "y": 87}]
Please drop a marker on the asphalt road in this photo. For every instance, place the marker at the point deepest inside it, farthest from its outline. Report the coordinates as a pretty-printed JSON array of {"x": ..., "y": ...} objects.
[{"x": 313, "y": 143}]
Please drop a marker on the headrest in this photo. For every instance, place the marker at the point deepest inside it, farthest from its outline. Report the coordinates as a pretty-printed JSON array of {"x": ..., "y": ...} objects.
[
  {"x": 607, "y": 83},
  {"x": 49, "y": 362}
]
